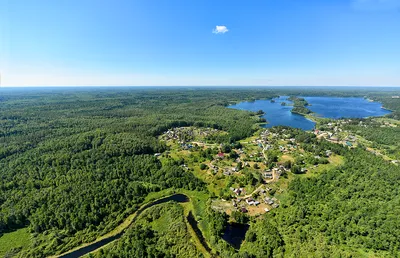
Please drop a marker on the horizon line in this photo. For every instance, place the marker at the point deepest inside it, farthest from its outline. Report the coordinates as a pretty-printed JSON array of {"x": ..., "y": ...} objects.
[{"x": 236, "y": 86}]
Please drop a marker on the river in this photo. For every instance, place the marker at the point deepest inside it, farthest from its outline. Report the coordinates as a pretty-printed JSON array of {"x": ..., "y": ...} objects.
[{"x": 181, "y": 198}]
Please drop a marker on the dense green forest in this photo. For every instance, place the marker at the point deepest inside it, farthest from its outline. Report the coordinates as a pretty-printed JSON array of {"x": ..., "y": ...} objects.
[{"x": 74, "y": 163}]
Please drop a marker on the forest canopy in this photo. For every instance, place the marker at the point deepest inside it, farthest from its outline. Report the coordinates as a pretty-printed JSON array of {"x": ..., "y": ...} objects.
[{"x": 74, "y": 163}]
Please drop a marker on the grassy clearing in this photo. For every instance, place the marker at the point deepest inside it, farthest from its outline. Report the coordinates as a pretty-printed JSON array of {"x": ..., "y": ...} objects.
[
  {"x": 389, "y": 120},
  {"x": 286, "y": 157},
  {"x": 19, "y": 239},
  {"x": 334, "y": 161}
]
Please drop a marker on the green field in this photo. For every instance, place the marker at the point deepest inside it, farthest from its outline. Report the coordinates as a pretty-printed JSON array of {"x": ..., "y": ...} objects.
[{"x": 16, "y": 240}]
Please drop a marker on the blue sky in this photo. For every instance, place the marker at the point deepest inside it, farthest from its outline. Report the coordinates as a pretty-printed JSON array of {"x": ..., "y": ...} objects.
[{"x": 149, "y": 42}]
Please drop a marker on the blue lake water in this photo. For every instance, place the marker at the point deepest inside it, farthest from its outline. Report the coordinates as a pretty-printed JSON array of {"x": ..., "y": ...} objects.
[
  {"x": 335, "y": 108},
  {"x": 329, "y": 107}
]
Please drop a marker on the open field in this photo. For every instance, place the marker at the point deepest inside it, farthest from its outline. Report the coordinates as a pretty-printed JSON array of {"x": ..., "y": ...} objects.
[{"x": 18, "y": 240}]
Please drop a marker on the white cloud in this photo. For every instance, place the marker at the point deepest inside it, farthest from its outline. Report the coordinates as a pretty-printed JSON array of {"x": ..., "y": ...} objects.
[{"x": 220, "y": 29}]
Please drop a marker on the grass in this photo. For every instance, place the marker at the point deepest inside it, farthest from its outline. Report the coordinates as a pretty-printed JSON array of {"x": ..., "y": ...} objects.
[
  {"x": 390, "y": 120},
  {"x": 128, "y": 221},
  {"x": 162, "y": 224},
  {"x": 197, "y": 205},
  {"x": 16, "y": 239},
  {"x": 334, "y": 161}
]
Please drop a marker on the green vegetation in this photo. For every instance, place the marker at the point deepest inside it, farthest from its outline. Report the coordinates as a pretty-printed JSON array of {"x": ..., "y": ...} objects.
[
  {"x": 382, "y": 134},
  {"x": 13, "y": 242},
  {"x": 160, "y": 232},
  {"x": 75, "y": 164},
  {"x": 337, "y": 213},
  {"x": 300, "y": 106}
]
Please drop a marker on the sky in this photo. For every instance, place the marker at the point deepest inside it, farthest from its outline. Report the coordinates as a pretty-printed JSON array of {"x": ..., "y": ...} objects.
[{"x": 200, "y": 42}]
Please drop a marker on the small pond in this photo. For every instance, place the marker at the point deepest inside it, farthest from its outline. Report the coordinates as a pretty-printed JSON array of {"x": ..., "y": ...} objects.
[{"x": 235, "y": 233}]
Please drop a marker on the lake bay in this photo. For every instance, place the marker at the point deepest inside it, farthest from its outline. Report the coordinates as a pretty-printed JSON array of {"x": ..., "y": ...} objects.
[{"x": 328, "y": 107}]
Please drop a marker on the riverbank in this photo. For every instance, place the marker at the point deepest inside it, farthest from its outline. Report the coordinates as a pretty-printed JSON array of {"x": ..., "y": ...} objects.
[{"x": 111, "y": 237}]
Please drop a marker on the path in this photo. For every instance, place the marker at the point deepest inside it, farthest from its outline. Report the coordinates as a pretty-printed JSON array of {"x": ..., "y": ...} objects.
[{"x": 267, "y": 181}]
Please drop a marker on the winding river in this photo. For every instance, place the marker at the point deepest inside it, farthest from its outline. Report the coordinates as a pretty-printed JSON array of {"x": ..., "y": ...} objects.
[{"x": 180, "y": 198}]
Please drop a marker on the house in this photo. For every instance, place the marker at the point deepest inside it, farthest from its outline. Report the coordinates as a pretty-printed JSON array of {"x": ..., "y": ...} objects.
[
  {"x": 243, "y": 209},
  {"x": 268, "y": 200},
  {"x": 352, "y": 138},
  {"x": 268, "y": 147},
  {"x": 267, "y": 175},
  {"x": 157, "y": 154},
  {"x": 275, "y": 205},
  {"x": 266, "y": 210},
  {"x": 220, "y": 155},
  {"x": 227, "y": 173},
  {"x": 237, "y": 191},
  {"x": 250, "y": 201},
  {"x": 334, "y": 138},
  {"x": 186, "y": 146}
]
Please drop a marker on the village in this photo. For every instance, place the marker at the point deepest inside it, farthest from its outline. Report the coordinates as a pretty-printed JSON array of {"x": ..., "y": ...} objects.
[
  {"x": 248, "y": 176},
  {"x": 334, "y": 132}
]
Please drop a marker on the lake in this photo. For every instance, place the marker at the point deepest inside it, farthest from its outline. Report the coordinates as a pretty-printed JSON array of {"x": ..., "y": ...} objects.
[
  {"x": 335, "y": 108},
  {"x": 328, "y": 107}
]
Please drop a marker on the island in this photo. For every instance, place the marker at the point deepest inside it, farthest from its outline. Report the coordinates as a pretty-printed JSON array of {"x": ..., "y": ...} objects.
[
  {"x": 300, "y": 106},
  {"x": 179, "y": 173}
]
